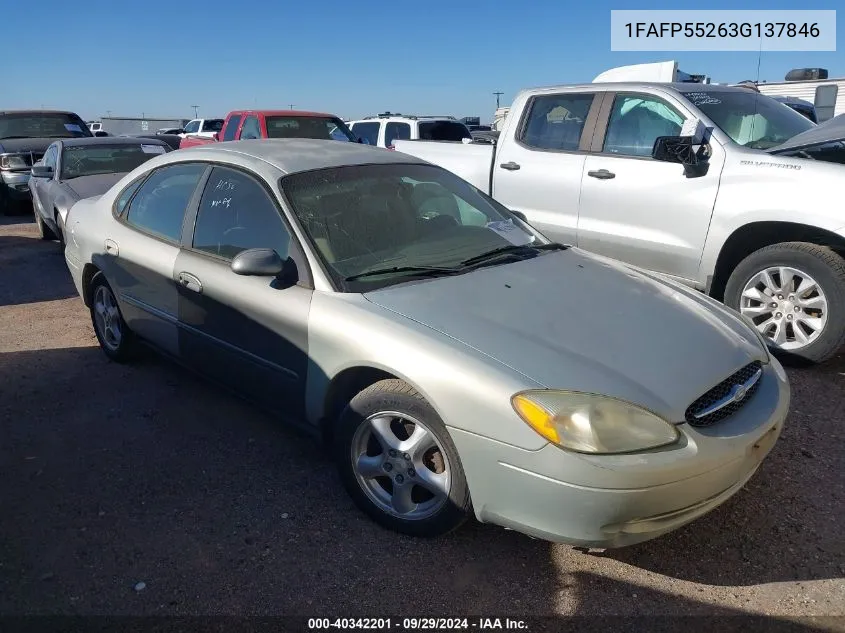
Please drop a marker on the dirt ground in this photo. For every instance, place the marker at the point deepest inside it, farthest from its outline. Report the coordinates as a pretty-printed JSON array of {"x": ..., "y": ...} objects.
[{"x": 118, "y": 475}]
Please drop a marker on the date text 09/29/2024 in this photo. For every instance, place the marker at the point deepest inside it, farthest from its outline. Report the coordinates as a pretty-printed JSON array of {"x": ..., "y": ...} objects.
[{"x": 417, "y": 624}]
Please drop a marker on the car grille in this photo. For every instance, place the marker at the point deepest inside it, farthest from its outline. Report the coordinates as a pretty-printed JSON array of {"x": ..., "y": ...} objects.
[{"x": 721, "y": 400}]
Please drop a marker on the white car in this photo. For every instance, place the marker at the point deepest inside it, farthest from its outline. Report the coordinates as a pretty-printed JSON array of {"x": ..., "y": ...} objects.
[{"x": 383, "y": 129}]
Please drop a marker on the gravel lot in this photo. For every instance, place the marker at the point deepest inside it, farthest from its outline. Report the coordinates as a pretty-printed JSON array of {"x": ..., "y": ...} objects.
[{"x": 115, "y": 475}]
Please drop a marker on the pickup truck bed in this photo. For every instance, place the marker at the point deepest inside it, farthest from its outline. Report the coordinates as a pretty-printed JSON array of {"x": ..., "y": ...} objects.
[{"x": 471, "y": 161}]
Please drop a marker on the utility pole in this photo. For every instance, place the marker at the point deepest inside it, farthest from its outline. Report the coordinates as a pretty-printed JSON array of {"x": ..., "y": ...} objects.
[
  {"x": 498, "y": 94},
  {"x": 108, "y": 114},
  {"x": 291, "y": 106},
  {"x": 196, "y": 111}
]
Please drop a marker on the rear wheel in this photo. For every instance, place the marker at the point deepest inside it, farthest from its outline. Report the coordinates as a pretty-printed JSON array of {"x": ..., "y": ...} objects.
[
  {"x": 398, "y": 462},
  {"x": 794, "y": 293},
  {"x": 115, "y": 338}
]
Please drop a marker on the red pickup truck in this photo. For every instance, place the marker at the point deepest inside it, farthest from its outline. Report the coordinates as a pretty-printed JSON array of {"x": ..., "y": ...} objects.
[{"x": 246, "y": 124}]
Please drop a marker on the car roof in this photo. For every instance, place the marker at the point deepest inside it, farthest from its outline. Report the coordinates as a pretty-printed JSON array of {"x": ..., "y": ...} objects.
[
  {"x": 111, "y": 140},
  {"x": 639, "y": 85},
  {"x": 38, "y": 112},
  {"x": 292, "y": 155},
  {"x": 325, "y": 115}
]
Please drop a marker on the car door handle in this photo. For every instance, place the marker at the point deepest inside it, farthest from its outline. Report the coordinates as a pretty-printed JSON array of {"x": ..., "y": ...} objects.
[
  {"x": 111, "y": 247},
  {"x": 601, "y": 174},
  {"x": 511, "y": 166},
  {"x": 189, "y": 281}
]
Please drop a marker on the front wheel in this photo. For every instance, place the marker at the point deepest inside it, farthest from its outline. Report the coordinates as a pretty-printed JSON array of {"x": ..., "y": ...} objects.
[
  {"x": 794, "y": 293},
  {"x": 398, "y": 463},
  {"x": 44, "y": 231}
]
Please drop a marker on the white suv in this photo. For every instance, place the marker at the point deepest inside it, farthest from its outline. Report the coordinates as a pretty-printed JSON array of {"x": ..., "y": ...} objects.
[{"x": 381, "y": 130}]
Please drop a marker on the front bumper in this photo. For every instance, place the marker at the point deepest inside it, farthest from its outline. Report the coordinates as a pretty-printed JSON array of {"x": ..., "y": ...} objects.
[
  {"x": 16, "y": 184},
  {"x": 614, "y": 501}
]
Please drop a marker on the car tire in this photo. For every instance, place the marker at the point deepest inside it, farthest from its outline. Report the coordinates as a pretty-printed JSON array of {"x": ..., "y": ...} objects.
[
  {"x": 819, "y": 312},
  {"x": 44, "y": 231},
  {"x": 416, "y": 487},
  {"x": 116, "y": 340}
]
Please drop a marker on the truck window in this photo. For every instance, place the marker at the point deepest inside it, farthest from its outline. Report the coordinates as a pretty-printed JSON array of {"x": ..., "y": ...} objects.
[
  {"x": 825, "y": 101},
  {"x": 251, "y": 128},
  {"x": 749, "y": 118},
  {"x": 212, "y": 125},
  {"x": 317, "y": 127},
  {"x": 396, "y": 130},
  {"x": 555, "y": 122},
  {"x": 367, "y": 131},
  {"x": 635, "y": 123},
  {"x": 193, "y": 127},
  {"x": 232, "y": 127},
  {"x": 443, "y": 131}
]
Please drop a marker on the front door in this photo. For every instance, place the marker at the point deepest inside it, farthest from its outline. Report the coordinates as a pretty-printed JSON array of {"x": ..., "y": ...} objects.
[
  {"x": 39, "y": 187},
  {"x": 139, "y": 252},
  {"x": 636, "y": 209},
  {"x": 249, "y": 333},
  {"x": 538, "y": 170}
]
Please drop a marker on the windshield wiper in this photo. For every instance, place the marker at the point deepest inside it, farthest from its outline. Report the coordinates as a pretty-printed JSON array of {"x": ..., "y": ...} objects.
[
  {"x": 513, "y": 249},
  {"x": 417, "y": 270}
]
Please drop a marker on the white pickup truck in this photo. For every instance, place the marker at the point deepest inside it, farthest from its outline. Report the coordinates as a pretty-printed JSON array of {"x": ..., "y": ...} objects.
[{"x": 722, "y": 202}]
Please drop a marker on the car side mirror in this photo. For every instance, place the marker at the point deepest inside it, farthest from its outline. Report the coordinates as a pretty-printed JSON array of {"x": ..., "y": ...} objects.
[
  {"x": 258, "y": 262},
  {"x": 216, "y": 136},
  {"x": 41, "y": 171},
  {"x": 675, "y": 149},
  {"x": 520, "y": 215}
]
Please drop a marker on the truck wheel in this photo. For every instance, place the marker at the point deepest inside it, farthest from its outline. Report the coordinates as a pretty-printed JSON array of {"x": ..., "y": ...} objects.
[
  {"x": 795, "y": 294},
  {"x": 398, "y": 463}
]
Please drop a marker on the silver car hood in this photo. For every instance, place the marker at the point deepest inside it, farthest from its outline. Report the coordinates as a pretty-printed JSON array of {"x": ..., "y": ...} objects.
[
  {"x": 571, "y": 320},
  {"x": 87, "y": 186}
]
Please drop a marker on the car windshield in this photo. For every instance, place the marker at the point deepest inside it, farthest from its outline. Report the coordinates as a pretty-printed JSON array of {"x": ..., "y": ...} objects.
[
  {"x": 443, "y": 131},
  {"x": 308, "y": 127},
  {"x": 749, "y": 118},
  {"x": 105, "y": 159},
  {"x": 394, "y": 217},
  {"x": 42, "y": 125}
]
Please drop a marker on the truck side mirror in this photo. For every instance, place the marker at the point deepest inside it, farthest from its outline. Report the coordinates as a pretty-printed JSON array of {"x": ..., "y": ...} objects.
[{"x": 675, "y": 149}]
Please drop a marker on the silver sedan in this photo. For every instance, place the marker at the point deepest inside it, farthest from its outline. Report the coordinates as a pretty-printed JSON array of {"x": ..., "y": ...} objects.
[{"x": 455, "y": 361}]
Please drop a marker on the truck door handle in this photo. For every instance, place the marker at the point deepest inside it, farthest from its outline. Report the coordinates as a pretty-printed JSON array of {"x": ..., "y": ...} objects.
[
  {"x": 111, "y": 247},
  {"x": 601, "y": 174},
  {"x": 511, "y": 166},
  {"x": 189, "y": 281}
]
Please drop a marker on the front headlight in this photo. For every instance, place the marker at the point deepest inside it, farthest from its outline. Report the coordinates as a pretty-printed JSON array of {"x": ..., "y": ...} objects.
[
  {"x": 590, "y": 423},
  {"x": 12, "y": 161}
]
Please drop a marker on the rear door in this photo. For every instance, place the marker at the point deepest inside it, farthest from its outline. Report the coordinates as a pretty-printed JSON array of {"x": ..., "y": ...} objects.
[
  {"x": 140, "y": 250},
  {"x": 538, "y": 169},
  {"x": 249, "y": 333},
  {"x": 232, "y": 127},
  {"x": 641, "y": 211}
]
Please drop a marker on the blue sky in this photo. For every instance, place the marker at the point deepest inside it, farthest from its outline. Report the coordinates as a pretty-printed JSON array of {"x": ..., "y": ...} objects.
[{"x": 157, "y": 58}]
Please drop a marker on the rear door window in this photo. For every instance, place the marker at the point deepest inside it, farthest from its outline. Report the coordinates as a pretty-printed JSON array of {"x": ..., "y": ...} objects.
[
  {"x": 556, "y": 122},
  {"x": 367, "y": 131},
  {"x": 159, "y": 206},
  {"x": 443, "y": 131},
  {"x": 251, "y": 128},
  {"x": 396, "y": 130}
]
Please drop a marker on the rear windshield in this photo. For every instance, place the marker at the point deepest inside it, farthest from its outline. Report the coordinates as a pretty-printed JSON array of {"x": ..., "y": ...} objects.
[
  {"x": 443, "y": 131},
  {"x": 329, "y": 129},
  {"x": 212, "y": 125},
  {"x": 106, "y": 159},
  {"x": 42, "y": 125}
]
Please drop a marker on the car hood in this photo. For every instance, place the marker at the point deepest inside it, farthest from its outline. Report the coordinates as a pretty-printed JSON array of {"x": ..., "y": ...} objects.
[
  {"x": 830, "y": 131},
  {"x": 87, "y": 186},
  {"x": 25, "y": 144},
  {"x": 572, "y": 320}
]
